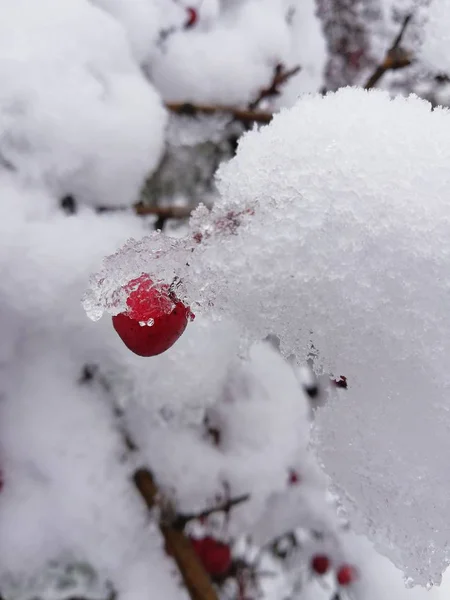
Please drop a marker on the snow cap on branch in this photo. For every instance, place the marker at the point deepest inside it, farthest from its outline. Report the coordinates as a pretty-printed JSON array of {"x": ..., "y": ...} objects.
[{"x": 333, "y": 229}]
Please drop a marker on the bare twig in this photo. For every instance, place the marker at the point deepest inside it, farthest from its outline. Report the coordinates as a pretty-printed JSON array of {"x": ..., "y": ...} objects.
[
  {"x": 163, "y": 212},
  {"x": 244, "y": 115},
  {"x": 238, "y": 114},
  {"x": 181, "y": 520},
  {"x": 395, "y": 58},
  {"x": 280, "y": 77}
]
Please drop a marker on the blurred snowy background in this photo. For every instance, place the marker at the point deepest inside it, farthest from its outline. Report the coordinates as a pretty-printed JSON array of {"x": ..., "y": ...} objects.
[{"x": 292, "y": 445}]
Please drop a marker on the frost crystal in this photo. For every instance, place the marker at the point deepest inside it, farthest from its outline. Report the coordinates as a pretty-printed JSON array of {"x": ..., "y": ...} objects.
[{"x": 333, "y": 230}]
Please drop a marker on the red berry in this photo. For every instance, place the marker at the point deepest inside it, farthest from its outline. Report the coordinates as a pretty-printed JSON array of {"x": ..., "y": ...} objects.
[
  {"x": 341, "y": 382},
  {"x": 346, "y": 575},
  {"x": 146, "y": 303},
  {"x": 294, "y": 477},
  {"x": 214, "y": 555},
  {"x": 320, "y": 563},
  {"x": 192, "y": 17}
]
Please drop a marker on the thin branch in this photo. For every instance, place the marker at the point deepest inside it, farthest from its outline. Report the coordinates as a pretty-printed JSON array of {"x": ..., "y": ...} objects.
[
  {"x": 395, "y": 58},
  {"x": 178, "y": 546},
  {"x": 181, "y": 520},
  {"x": 280, "y": 77},
  {"x": 144, "y": 210},
  {"x": 195, "y": 577},
  {"x": 238, "y": 114},
  {"x": 164, "y": 212}
]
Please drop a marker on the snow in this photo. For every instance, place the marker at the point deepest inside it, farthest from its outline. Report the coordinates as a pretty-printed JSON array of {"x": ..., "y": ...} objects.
[
  {"x": 436, "y": 45},
  {"x": 347, "y": 250},
  {"x": 320, "y": 233},
  {"x": 232, "y": 56},
  {"x": 77, "y": 115}
]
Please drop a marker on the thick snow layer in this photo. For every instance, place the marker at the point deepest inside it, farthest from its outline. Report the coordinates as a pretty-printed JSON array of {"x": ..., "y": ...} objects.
[
  {"x": 75, "y": 111},
  {"x": 347, "y": 248}
]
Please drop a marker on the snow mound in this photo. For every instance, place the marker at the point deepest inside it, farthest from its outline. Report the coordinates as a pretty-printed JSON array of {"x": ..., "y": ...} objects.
[{"x": 76, "y": 113}]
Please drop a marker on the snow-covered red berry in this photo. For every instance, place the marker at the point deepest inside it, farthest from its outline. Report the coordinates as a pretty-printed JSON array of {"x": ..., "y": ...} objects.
[
  {"x": 154, "y": 319},
  {"x": 214, "y": 555},
  {"x": 320, "y": 564},
  {"x": 192, "y": 17},
  {"x": 346, "y": 575}
]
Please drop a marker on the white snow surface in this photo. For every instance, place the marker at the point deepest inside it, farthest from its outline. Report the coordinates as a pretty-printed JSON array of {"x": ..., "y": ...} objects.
[{"x": 347, "y": 249}]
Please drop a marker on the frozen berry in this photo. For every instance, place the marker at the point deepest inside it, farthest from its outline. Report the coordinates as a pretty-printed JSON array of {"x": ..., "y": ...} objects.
[
  {"x": 214, "y": 555},
  {"x": 192, "y": 17},
  {"x": 346, "y": 575},
  {"x": 154, "y": 319},
  {"x": 320, "y": 564}
]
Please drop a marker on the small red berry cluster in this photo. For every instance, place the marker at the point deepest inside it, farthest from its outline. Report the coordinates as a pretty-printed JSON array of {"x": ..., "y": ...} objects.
[{"x": 345, "y": 574}]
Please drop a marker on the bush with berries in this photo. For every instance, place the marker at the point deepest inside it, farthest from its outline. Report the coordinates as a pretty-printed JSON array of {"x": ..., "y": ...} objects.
[{"x": 256, "y": 407}]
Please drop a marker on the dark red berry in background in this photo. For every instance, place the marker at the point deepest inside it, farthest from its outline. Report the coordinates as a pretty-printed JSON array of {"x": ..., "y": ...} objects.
[
  {"x": 346, "y": 575},
  {"x": 214, "y": 555},
  {"x": 294, "y": 477},
  {"x": 320, "y": 564},
  {"x": 164, "y": 318},
  {"x": 2, "y": 481},
  {"x": 192, "y": 17},
  {"x": 341, "y": 382}
]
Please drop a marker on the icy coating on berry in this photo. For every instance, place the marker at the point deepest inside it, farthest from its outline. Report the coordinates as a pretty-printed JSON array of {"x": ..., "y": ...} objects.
[
  {"x": 347, "y": 249},
  {"x": 146, "y": 302}
]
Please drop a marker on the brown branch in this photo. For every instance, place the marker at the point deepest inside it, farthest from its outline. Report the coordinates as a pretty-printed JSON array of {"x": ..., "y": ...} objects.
[
  {"x": 163, "y": 212},
  {"x": 395, "y": 58},
  {"x": 195, "y": 577},
  {"x": 238, "y": 114},
  {"x": 181, "y": 520},
  {"x": 178, "y": 545},
  {"x": 280, "y": 77}
]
